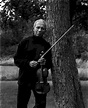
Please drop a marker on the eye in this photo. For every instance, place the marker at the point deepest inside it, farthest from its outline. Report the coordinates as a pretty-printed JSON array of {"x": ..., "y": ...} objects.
[
  {"x": 42, "y": 28},
  {"x": 38, "y": 27}
]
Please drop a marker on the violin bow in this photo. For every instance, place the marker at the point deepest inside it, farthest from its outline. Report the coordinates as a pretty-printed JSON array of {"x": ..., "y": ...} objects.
[{"x": 56, "y": 41}]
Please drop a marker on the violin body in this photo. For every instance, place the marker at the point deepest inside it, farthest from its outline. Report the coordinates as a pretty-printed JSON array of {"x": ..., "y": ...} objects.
[{"x": 42, "y": 86}]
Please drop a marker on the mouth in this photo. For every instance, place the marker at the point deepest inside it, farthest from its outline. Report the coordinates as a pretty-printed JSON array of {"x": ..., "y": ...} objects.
[{"x": 39, "y": 33}]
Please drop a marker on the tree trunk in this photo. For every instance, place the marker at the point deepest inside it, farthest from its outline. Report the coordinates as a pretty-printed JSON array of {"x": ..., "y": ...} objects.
[{"x": 66, "y": 84}]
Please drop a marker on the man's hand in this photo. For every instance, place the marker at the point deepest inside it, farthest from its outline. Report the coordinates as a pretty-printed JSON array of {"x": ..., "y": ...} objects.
[
  {"x": 42, "y": 61},
  {"x": 33, "y": 63}
]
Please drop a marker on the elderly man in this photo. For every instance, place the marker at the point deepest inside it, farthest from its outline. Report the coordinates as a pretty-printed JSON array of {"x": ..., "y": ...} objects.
[{"x": 27, "y": 58}]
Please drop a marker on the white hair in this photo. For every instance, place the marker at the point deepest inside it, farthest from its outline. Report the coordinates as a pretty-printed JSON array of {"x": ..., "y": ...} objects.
[{"x": 41, "y": 21}]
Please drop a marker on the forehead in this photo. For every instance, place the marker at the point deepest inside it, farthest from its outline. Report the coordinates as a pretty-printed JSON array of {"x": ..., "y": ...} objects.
[{"x": 40, "y": 24}]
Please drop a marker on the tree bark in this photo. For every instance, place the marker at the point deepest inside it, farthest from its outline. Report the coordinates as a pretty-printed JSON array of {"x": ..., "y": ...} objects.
[{"x": 67, "y": 89}]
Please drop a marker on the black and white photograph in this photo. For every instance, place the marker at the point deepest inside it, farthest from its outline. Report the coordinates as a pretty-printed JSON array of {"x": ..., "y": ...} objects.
[{"x": 43, "y": 53}]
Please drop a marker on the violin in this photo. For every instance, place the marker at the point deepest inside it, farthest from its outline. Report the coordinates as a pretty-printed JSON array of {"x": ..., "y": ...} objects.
[{"x": 42, "y": 86}]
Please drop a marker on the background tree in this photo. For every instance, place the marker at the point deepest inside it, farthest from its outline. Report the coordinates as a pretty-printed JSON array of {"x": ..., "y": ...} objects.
[
  {"x": 16, "y": 18},
  {"x": 79, "y": 13},
  {"x": 66, "y": 84}
]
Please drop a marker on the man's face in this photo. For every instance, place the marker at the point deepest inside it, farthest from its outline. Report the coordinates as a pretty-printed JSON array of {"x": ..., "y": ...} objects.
[{"x": 39, "y": 29}]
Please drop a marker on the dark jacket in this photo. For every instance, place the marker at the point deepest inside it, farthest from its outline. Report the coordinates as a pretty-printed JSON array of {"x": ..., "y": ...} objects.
[{"x": 30, "y": 49}]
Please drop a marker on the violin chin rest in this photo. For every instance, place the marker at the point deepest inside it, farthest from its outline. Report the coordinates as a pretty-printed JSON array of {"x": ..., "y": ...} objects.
[{"x": 42, "y": 88}]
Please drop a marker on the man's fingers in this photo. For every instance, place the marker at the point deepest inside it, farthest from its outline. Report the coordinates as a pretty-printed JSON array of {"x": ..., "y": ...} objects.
[
  {"x": 41, "y": 60},
  {"x": 33, "y": 63}
]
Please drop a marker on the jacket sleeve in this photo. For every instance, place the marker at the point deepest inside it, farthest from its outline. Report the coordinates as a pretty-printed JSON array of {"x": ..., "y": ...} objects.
[{"x": 20, "y": 59}]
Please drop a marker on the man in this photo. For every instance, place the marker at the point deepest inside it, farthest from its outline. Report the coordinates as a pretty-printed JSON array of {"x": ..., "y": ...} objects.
[{"x": 28, "y": 60}]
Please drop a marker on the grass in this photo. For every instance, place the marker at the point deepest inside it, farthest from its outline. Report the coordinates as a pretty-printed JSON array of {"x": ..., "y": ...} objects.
[
  {"x": 9, "y": 96},
  {"x": 10, "y": 72}
]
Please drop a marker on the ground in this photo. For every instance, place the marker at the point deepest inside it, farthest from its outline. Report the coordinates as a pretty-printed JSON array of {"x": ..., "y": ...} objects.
[
  {"x": 8, "y": 89},
  {"x": 8, "y": 95}
]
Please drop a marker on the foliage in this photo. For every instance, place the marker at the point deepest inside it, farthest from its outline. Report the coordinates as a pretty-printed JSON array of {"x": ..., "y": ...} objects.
[
  {"x": 16, "y": 15},
  {"x": 80, "y": 14},
  {"x": 79, "y": 17},
  {"x": 80, "y": 44},
  {"x": 15, "y": 10}
]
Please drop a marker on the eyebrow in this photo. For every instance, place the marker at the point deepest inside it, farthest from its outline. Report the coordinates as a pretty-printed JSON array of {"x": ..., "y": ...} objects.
[{"x": 41, "y": 27}]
